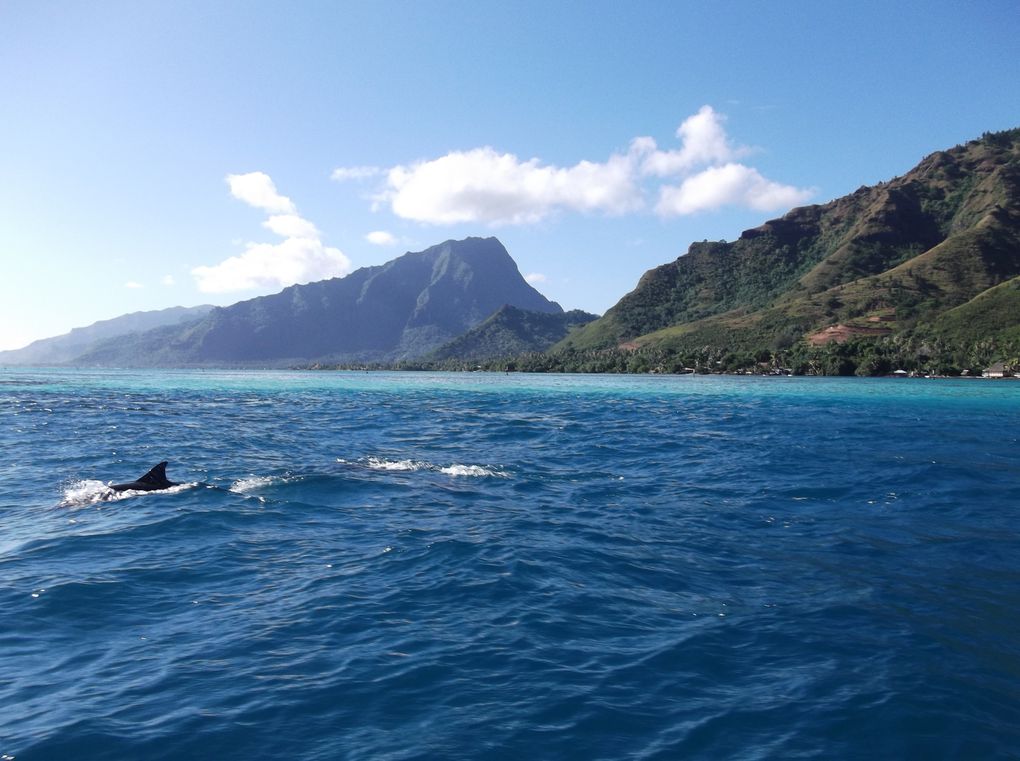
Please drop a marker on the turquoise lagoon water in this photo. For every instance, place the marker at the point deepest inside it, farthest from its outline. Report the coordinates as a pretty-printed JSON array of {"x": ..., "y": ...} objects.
[{"x": 418, "y": 566}]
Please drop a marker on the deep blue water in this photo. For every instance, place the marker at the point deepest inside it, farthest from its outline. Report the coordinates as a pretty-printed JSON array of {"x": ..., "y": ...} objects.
[{"x": 405, "y": 566}]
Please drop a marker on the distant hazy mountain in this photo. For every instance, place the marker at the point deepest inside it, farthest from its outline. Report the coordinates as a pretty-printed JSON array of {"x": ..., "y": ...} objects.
[
  {"x": 66, "y": 348},
  {"x": 511, "y": 331},
  {"x": 402, "y": 309},
  {"x": 929, "y": 261}
]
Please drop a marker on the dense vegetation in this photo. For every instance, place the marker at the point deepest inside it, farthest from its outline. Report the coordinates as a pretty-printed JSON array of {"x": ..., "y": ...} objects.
[{"x": 914, "y": 355}]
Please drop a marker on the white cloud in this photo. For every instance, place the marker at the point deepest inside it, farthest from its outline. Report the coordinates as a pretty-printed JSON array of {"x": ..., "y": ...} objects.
[
  {"x": 482, "y": 185},
  {"x": 291, "y": 226},
  {"x": 168, "y": 280},
  {"x": 341, "y": 174},
  {"x": 728, "y": 185},
  {"x": 535, "y": 277},
  {"x": 269, "y": 265},
  {"x": 381, "y": 238},
  {"x": 133, "y": 284},
  {"x": 257, "y": 189},
  {"x": 300, "y": 258},
  {"x": 485, "y": 186},
  {"x": 703, "y": 142}
]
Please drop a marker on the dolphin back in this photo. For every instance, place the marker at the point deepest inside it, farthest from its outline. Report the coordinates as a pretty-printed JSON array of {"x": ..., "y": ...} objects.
[
  {"x": 156, "y": 477},
  {"x": 154, "y": 480}
]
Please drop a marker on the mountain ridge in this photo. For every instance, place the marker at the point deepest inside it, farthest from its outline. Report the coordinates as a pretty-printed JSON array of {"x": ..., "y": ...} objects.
[
  {"x": 402, "y": 309},
  {"x": 509, "y": 332},
  {"x": 921, "y": 271},
  {"x": 68, "y": 346},
  {"x": 887, "y": 260}
]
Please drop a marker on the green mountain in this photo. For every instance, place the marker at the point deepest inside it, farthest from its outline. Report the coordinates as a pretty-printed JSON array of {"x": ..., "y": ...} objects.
[
  {"x": 510, "y": 332},
  {"x": 403, "y": 309},
  {"x": 921, "y": 265},
  {"x": 66, "y": 348}
]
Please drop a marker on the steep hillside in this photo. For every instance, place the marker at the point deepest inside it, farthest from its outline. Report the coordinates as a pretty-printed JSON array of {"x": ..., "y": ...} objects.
[
  {"x": 510, "y": 332},
  {"x": 886, "y": 261},
  {"x": 404, "y": 308},
  {"x": 66, "y": 348}
]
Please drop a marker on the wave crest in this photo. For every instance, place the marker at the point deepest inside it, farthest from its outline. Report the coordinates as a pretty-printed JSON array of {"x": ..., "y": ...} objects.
[
  {"x": 250, "y": 483},
  {"x": 376, "y": 463},
  {"x": 474, "y": 471},
  {"x": 86, "y": 492},
  {"x": 454, "y": 469},
  {"x": 91, "y": 492}
]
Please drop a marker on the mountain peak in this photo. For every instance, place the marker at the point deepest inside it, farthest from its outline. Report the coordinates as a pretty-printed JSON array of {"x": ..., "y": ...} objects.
[{"x": 402, "y": 309}]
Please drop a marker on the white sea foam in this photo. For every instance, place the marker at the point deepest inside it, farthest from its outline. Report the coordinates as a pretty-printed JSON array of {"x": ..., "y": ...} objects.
[
  {"x": 251, "y": 482},
  {"x": 474, "y": 471},
  {"x": 87, "y": 492},
  {"x": 91, "y": 492},
  {"x": 411, "y": 466},
  {"x": 376, "y": 463}
]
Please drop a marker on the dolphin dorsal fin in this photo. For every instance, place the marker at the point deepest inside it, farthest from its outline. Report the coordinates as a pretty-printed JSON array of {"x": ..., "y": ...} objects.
[{"x": 156, "y": 476}]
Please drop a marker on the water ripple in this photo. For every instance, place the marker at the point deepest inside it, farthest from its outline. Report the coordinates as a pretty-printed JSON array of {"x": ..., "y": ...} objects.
[{"x": 415, "y": 566}]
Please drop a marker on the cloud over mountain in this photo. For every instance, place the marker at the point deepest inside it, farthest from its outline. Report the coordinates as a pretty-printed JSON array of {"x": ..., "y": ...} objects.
[
  {"x": 727, "y": 185},
  {"x": 301, "y": 257},
  {"x": 483, "y": 185},
  {"x": 703, "y": 141},
  {"x": 710, "y": 177}
]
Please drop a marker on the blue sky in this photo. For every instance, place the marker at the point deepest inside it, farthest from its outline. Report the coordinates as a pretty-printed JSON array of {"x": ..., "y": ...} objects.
[{"x": 160, "y": 154}]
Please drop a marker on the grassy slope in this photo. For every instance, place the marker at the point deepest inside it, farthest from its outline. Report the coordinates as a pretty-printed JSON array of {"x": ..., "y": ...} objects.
[{"x": 993, "y": 312}]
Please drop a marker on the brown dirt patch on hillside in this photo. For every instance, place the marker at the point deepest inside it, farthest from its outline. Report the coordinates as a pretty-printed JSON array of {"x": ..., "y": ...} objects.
[{"x": 843, "y": 333}]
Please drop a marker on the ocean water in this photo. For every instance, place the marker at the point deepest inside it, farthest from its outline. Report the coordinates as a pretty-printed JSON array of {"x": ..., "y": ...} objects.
[{"x": 430, "y": 566}]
